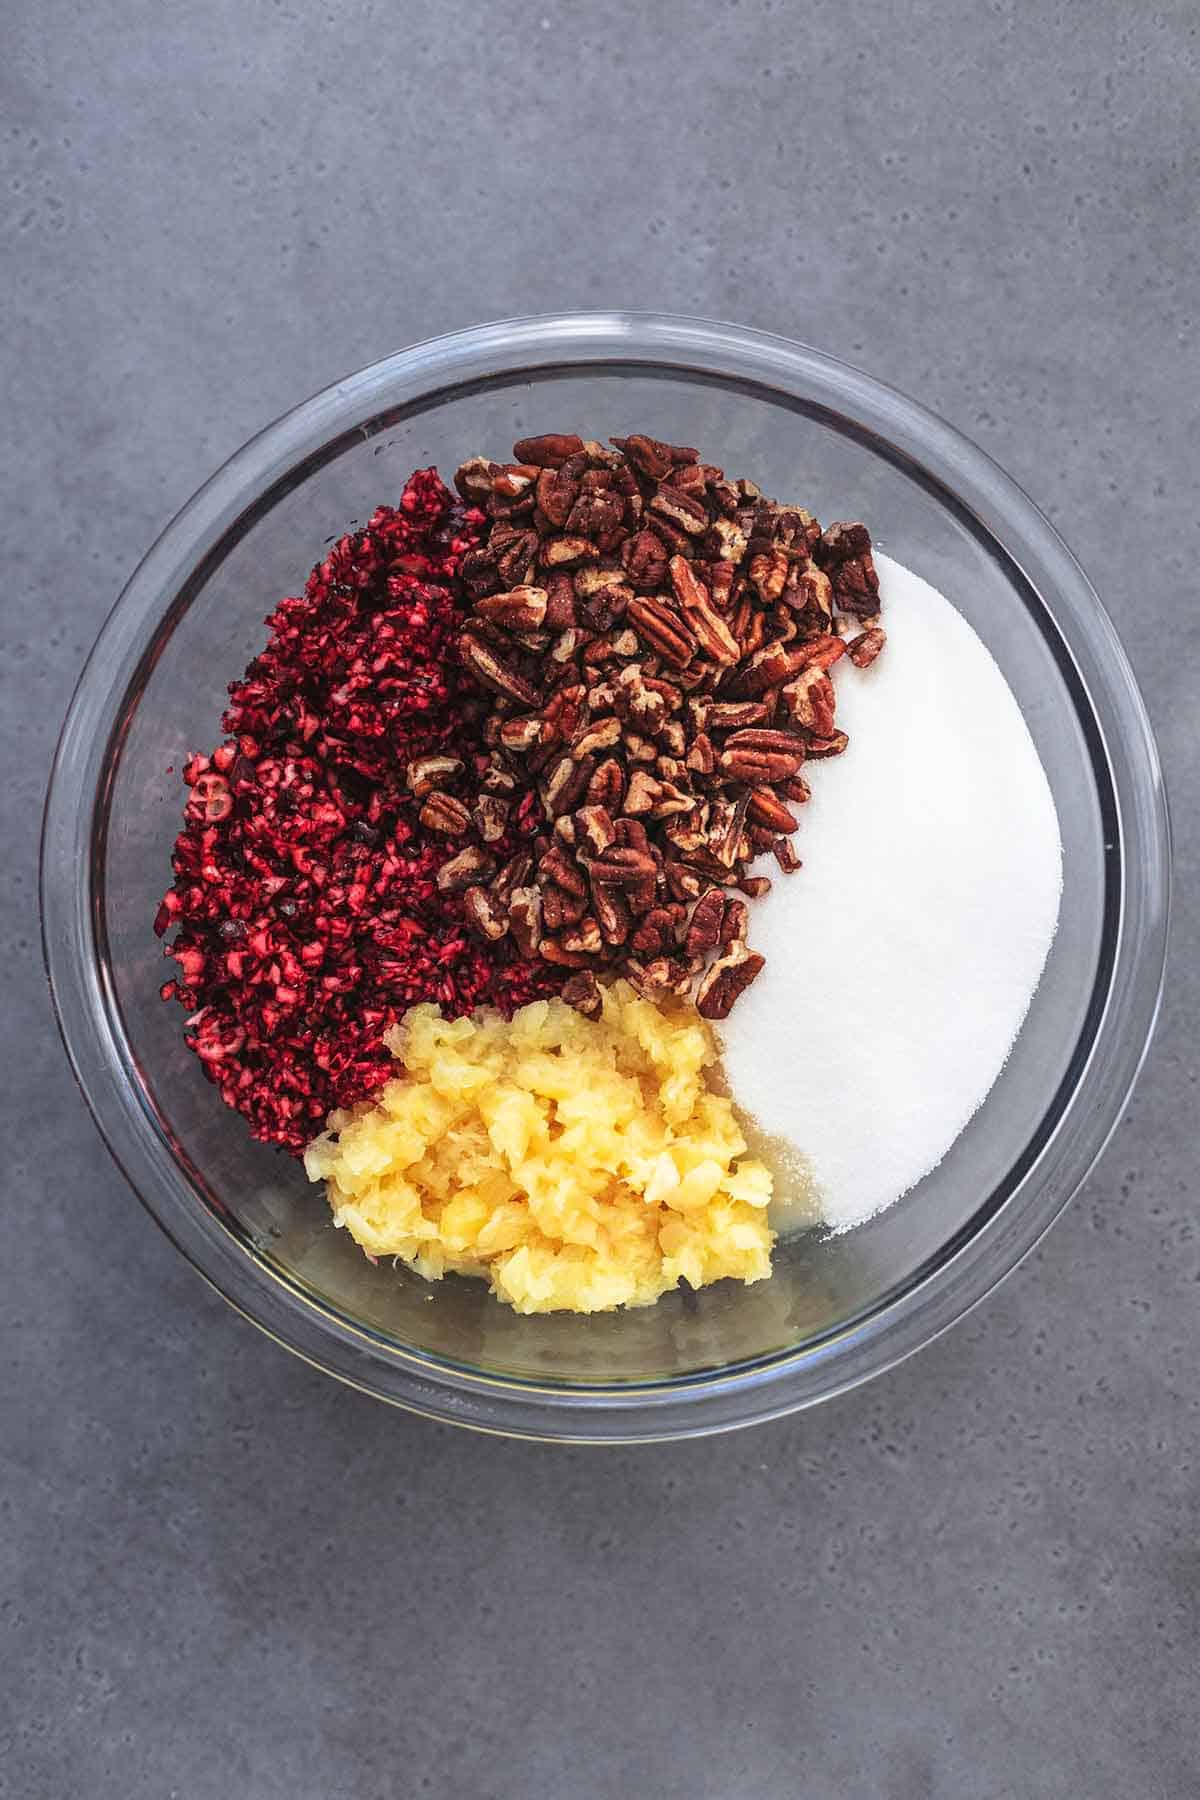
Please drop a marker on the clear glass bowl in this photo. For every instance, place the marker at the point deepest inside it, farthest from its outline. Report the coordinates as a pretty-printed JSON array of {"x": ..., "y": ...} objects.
[{"x": 838, "y": 1309}]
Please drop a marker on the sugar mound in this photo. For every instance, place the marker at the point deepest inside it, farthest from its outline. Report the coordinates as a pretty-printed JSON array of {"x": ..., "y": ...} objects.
[{"x": 902, "y": 957}]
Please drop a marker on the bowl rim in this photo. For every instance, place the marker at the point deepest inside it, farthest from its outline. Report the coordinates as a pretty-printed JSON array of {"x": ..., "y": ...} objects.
[{"x": 997, "y": 1237}]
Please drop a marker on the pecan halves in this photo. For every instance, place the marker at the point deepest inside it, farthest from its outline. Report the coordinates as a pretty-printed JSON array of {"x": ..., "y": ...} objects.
[
  {"x": 496, "y": 672},
  {"x": 663, "y": 630},
  {"x": 712, "y": 634},
  {"x": 726, "y": 980}
]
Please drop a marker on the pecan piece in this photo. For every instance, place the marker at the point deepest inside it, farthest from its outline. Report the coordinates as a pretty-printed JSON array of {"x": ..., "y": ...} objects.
[
  {"x": 769, "y": 573},
  {"x": 558, "y": 552},
  {"x": 519, "y": 609},
  {"x": 785, "y": 855},
  {"x": 612, "y": 915},
  {"x": 520, "y": 734},
  {"x": 525, "y": 920},
  {"x": 833, "y": 745},
  {"x": 863, "y": 650},
  {"x": 713, "y": 635},
  {"x": 761, "y": 758},
  {"x": 624, "y": 866},
  {"x": 514, "y": 480},
  {"x": 494, "y": 672},
  {"x": 767, "y": 810},
  {"x": 552, "y": 951},
  {"x": 735, "y": 922},
  {"x": 557, "y": 492},
  {"x": 560, "y": 601},
  {"x": 473, "y": 479},
  {"x": 465, "y": 870},
  {"x": 584, "y": 993},
  {"x": 425, "y": 773},
  {"x": 607, "y": 785},
  {"x": 557, "y": 867},
  {"x": 663, "y": 630},
  {"x": 642, "y": 793},
  {"x": 548, "y": 451},
  {"x": 594, "y": 824},
  {"x": 683, "y": 511},
  {"x": 644, "y": 560},
  {"x": 726, "y": 980},
  {"x": 654, "y": 932},
  {"x": 490, "y": 818},
  {"x": 601, "y": 735},
  {"x": 512, "y": 550},
  {"x": 704, "y": 926},
  {"x": 485, "y": 914},
  {"x": 648, "y": 456},
  {"x": 442, "y": 812},
  {"x": 809, "y": 700}
]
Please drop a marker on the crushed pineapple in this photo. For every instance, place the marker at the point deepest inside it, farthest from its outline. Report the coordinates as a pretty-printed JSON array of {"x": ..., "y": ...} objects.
[{"x": 575, "y": 1164}]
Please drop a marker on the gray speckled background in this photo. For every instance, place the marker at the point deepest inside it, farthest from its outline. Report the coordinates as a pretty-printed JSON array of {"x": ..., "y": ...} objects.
[{"x": 220, "y": 1574}]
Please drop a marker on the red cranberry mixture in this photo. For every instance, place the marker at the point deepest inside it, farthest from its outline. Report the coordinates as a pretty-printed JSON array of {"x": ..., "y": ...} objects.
[{"x": 306, "y": 896}]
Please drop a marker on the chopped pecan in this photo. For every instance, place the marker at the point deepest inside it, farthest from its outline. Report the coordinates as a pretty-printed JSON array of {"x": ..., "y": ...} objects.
[
  {"x": 683, "y": 511},
  {"x": 623, "y": 866},
  {"x": 489, "y": 816},
  {"x": 611, "y": 911},
  {"x": 785, "y": 855},
  {"x": 809, "y": 700},
  {"x": 644, "y": 560},
  {"x": 761, "y": 757},
  {"x": 525, "y": 919},
  {"x": 833, "y": 745},
  {"x": 551, "y": 950},
  {"x": 735, "y": 922},
  {"x": 469, "y": 867},
  {"x": 425, "y": 773},
  {"x": 584, "y": 993},
  {"x": 556, "y": 866},
  {"x": 443, "y": 812},
  {"x": 712, "y": 634},
  {"x": 704, "y": 926},
  {"x": 486, "y": 915},
  {"x": 566, "y": 784},
  {"x": 548, "y": 451},
  {"x": 648, "y": 456},
  {"x": 654, "y": 932},
  {"x": 557, "y": 491},
  {"x": 755, "y": 886},
  {"x": 558, "y": 552},
  {"x": 514, "y": 479},
  {"x": 663, "y": 629},
  {"x": 520, "y": 734},
  {"x": 473, "y": 479},
  {"x": 512, "y": 550},
  {"x": 519, "y": 609},
  {"x": 767, "y": 810},
  {"x": 495, "y": 672},
  {"x": 594, "y": 824},
  {"x": 863, "y": 650},
  {"x": 642, "y": 793},
  {"x": 560, "y": 601},
  {"x": 769, "y": 573},
  {"x": 607, "y": 785},
  {"x": 726, "y": 980}
]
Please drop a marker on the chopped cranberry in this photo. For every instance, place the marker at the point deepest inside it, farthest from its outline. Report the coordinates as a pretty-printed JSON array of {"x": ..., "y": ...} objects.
[{"x": 305, "y": 895}]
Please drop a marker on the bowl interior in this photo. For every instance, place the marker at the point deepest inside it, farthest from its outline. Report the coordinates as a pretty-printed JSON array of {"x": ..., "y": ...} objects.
[{"x": 214, "y": 623}]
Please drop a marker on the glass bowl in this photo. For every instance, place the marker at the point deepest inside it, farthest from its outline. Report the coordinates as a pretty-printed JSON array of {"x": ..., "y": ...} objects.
[{"x": 838, "y": 1308}]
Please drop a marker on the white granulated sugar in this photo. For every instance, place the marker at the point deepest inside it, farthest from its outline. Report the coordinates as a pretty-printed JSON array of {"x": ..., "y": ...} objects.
[{"x": 902, "y": 957}]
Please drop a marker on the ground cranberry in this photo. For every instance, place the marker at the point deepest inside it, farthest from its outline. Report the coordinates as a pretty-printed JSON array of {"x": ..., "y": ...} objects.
[{"x": 305, "y": 895}]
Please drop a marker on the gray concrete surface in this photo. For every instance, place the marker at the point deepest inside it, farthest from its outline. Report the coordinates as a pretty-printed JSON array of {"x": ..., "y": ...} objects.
[{"x": 219, "y": 1573}]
